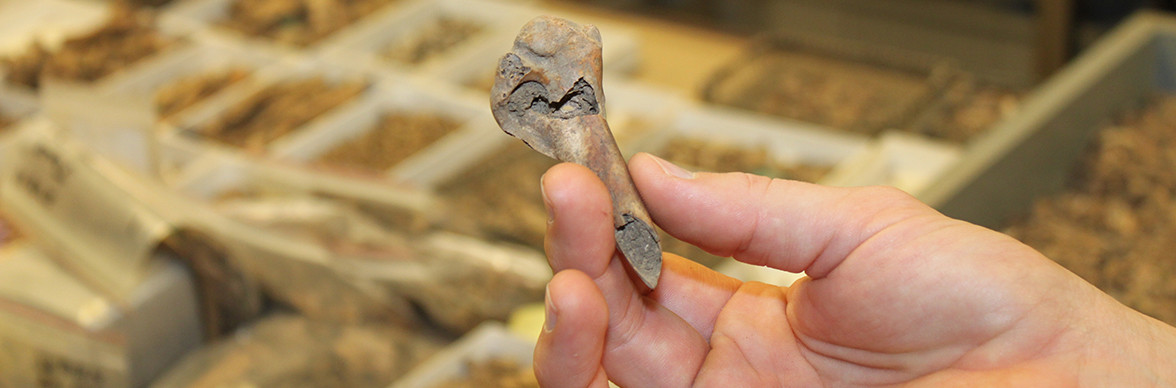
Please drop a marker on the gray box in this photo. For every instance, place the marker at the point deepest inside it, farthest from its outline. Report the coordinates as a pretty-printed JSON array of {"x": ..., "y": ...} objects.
[
  {"x": 1031, "y": 154},
  {"x": 56, "y": 330}
]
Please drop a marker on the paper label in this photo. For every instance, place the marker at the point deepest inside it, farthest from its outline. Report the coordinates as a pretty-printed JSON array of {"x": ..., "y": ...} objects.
[
  {"x": 102, "y": 232},
  {"x": 38, "y": 351}
]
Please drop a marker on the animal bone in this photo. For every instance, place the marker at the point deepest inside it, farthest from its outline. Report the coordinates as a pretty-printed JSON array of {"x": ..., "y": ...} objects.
[{"x": 547, "y": 93}]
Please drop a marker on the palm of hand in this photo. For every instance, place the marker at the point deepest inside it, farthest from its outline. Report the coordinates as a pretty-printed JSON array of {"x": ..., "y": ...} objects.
[{"x": 891, "y": 299}]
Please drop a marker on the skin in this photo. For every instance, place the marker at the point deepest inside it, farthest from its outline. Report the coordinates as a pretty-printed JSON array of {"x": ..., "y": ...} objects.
[{"x": 896, "y": 295}]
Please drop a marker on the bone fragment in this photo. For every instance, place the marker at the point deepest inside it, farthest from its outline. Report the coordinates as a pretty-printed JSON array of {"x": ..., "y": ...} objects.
[{"x": 547, "y": 92}]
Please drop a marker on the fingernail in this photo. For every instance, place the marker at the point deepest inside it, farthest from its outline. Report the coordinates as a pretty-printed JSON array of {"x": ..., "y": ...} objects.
[
  {"x": 549, "y": 308},
  {"x": 546, "y": 200},
  {"x": 672, "y": 169}
]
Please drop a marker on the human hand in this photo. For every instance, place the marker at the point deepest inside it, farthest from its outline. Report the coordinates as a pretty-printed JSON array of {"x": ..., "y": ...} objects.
[{"x": 896, "y": 294}]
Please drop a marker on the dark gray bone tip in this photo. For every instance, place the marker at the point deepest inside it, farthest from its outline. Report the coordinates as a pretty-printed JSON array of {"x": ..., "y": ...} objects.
[{"x": 639, "y": 243}]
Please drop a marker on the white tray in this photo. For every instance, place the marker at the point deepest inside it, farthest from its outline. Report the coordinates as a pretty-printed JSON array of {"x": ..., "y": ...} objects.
[
  {"x": 391, "y": 96},
  {"x": 52, "y": 22},
  {"x": 52, "y": 316},
  {"x": 368, "y": 41},
  {"x": 636, "y": 110},
  {"x": 190, "y": 122},
  {"x": 302, "y": 270},
  {"x": 140, "y": 87},
  {"x": 205, "y": 18},
  {"x": 788, "y": 142},
  {"x": 902, "y": 160},
  {"x": 221, "y": 173},
  {"x": 487, "y": 341},
  {"x": 46, "y": 21}
]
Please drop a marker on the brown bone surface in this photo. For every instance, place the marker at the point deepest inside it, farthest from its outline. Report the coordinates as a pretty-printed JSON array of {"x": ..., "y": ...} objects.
[{"x": 547, "y": 93}]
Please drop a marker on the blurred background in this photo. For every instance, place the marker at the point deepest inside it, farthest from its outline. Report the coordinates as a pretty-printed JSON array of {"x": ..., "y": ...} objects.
[{"x": 305, "y": 193}]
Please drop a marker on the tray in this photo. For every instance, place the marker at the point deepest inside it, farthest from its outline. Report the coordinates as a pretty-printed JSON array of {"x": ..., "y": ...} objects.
[
  {"x": 194, "y": 121},
  {"x": 784, "y": 142},
  {"x": 49, "y": 21},
  {"x": 635, "y": 110},
  {"x": 967, "y": 108},
  {"x": 1032, "y": 153},
  {"x": 494, "y": 24},
  {"x": 120, "y": 118},
  {"x": 78, "y": 19},
  {"x": 287, "y": 350},
  {"x": 299, "y": 272},
  {"x": 224, "y": 174},
  {"x": 840, "y": 84},
  {"x": 347, "y": 245},
  {"x": 208, "y": 17},
  {"x": 54, "y": 328},
  {"x": 468, "y": 119},
  {"x": 142, "y": 86},
  {"x": 906, "y": 161},
  {"x": 487, "y": 341}
]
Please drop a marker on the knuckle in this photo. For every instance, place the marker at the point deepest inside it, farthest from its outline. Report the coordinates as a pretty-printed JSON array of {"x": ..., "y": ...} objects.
[
  {"x": 756, "y": 184},
  {"x": 887, "y": 196}
]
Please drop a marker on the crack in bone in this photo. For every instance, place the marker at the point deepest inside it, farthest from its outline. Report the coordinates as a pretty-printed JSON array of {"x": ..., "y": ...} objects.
[{"x": 531, "y": 96}]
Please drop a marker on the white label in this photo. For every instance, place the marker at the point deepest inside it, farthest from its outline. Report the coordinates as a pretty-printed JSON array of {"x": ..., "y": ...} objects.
[
  {"x": 35, "y": 352},
  {"x": 100, "y": 229}
]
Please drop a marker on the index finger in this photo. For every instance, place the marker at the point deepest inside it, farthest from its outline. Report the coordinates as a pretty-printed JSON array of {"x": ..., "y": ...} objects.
[
  {"x": 581, "y": 237},
  {"x": 647, "y": 343},
  {"x": 788, "y": 225}
]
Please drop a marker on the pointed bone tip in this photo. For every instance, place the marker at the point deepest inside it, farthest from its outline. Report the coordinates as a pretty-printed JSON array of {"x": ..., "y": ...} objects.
[
  {"x": 645, "y": 263},
  {"x": 650, "y": 278},
  {"x": 639, "y": 243}
]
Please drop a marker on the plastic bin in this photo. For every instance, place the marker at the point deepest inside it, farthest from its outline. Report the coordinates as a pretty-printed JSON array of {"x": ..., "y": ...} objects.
[
  {"x": 142, "y": 86},
  {"x": 1032, "y": 153},
  {"x": 208, "y": 18},
  {"x": 468, "y": 119},
  {"x": 902, "y": 160},
  {"x": 363, "y": 257},
  {"x": 60, "y": 21},
  {"x": 224, "y": 175},
  {"x": 836, "y": 83},
  {"x": 490, "y": 341},
  {"x": 371, "y": 41},
  {"x": 194, "y": 122},
  {"x": 785, "y": 142}
]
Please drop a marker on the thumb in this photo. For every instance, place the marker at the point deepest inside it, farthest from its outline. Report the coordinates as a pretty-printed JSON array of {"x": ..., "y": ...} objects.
[{"x": 570, "y": 350}]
